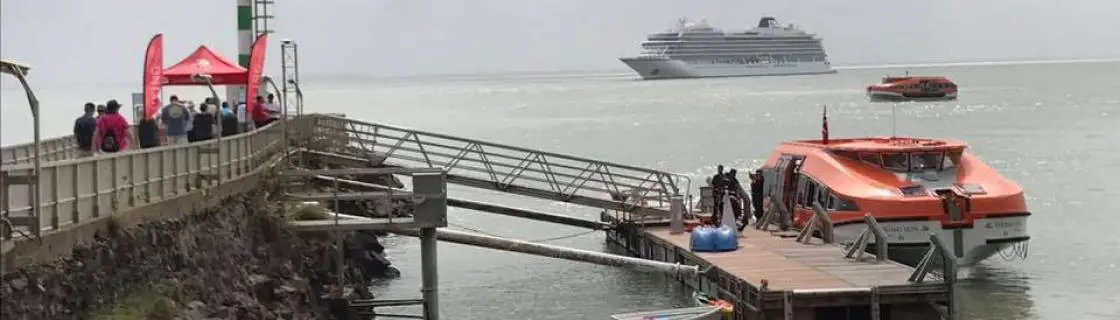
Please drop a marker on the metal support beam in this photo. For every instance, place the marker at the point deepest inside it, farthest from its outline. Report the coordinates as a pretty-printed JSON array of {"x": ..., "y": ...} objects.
[
  {"x": 676, "y": 215},
  {"x": 558, "y": 252},
  {"x": 429, "y": 287}
]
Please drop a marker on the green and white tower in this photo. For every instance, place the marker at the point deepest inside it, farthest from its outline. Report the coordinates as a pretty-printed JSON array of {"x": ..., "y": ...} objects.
[
  {"x": 252, "y": 20},
  {"x": 244, "y": 41}
]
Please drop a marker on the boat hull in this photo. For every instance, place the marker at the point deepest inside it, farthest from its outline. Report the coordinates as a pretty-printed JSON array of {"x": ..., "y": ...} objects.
[
  {"x": 651, "y": 68},
  {"x": 883, "y": 95},
  {"x": 909, "y": 240}
]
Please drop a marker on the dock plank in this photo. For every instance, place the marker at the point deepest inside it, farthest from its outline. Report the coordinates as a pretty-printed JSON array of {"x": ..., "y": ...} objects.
[{"x": 787, "y": 264}]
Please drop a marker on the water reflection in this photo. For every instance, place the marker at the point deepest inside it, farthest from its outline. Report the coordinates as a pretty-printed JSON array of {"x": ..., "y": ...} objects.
[{"x": 995, "y": 292}]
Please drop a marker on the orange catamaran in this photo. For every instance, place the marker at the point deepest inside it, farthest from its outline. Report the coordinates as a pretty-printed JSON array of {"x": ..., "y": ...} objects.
[{"x": 912, "y": 186}]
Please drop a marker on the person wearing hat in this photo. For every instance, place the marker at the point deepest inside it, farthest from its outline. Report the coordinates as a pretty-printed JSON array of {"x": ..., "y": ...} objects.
[{"x": 112, "y": 130}]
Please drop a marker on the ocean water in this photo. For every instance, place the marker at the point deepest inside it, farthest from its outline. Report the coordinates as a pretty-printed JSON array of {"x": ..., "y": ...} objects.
[{"x": 1050, "y": 127}]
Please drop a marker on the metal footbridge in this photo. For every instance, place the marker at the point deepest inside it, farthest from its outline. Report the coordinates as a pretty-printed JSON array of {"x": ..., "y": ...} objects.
[{"x": 498, "y": 167}]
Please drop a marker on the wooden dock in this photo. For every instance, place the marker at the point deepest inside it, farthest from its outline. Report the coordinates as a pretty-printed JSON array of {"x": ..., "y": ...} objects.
[{"x": 772, "y": 276}]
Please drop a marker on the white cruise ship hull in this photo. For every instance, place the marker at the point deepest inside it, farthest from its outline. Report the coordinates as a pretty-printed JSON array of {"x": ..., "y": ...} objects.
[{"x": 664, "y": 68}]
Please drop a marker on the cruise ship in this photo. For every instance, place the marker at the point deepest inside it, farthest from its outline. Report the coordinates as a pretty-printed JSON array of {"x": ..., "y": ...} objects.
[{"x": 694, "y": 50}]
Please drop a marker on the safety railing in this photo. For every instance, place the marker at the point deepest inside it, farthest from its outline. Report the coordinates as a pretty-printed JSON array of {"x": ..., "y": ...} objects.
[
  {"x": 502, "y": 166},
  {"x": 54, "y": 149},
  {"x": 80, "y": 189}
]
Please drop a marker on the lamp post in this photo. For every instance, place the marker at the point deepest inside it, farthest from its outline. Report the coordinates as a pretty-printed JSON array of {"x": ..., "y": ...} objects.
[
  {"x": 216, "y": 127},
  {"x": 20, "y": 71}
]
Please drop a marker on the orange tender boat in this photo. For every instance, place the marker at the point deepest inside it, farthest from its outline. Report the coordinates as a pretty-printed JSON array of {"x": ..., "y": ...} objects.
[
  {"x": 913, "y": 88},
  {"x": 912, "y": 186}
]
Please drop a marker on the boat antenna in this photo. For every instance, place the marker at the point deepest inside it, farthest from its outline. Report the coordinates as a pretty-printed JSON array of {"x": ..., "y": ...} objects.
[{"x": 824, "y": 123}]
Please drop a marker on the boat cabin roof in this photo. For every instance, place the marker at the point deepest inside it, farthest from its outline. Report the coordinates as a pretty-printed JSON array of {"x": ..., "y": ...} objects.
[
  {"x": 884, "y": 144},
  {"x": 888, "y": 79}
]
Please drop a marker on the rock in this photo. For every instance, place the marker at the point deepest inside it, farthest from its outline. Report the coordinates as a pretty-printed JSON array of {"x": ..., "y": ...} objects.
[{"x": 225, "y": 257}]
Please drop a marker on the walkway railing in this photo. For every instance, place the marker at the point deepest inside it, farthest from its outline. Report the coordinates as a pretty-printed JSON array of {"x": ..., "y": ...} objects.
[
  {"x": 54, "y": 149},
  {"x": 506, "y": 168},
  {"x": 76, "y": 190}
]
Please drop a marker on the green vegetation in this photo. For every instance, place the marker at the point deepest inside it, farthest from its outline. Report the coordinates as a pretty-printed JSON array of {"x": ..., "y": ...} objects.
[{"x": 156, "y": 301}]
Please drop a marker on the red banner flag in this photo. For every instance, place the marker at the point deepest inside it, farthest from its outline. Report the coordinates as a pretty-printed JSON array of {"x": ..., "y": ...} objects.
[
  {"x": 256, "y": 67},
  {"x": 153, "y": 76},
  {"x": 824, "y": 124}
]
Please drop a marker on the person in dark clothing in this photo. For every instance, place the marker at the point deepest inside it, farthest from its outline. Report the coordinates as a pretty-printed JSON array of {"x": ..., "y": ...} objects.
[
  {"x": 84, "y": 129},
  {"x": 230, "y": 125},
  {"x": 148, "y": 133},
  {"x": 756, "y": 193},
  {"x": 719, "y": 188},
  {"x": 735, "y": 194},
  {"x": 203, "y": 125}
]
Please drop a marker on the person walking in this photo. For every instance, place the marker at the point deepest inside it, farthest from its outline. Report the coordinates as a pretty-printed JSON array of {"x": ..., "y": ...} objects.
[
  {"x": 112, "y": 130},
  {"x": 84, "y": 129},
  {"x": 176, "y": 119}
]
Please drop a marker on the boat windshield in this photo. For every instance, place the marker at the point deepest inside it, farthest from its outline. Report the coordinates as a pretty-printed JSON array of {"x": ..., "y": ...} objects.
[{"x": 909, "y": 161}]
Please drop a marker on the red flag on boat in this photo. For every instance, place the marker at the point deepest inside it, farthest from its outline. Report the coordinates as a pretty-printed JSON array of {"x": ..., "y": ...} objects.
[{"x": 824, "y": 124}]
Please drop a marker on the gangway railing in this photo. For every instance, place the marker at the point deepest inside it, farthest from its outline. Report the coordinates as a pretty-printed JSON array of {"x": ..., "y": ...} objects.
[{"x": 506, "y": 168}]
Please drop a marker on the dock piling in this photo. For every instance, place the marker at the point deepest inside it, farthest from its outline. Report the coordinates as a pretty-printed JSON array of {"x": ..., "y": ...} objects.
[
  {"x": 676, "y": 214},
  {"x": 429, "y": 281}
]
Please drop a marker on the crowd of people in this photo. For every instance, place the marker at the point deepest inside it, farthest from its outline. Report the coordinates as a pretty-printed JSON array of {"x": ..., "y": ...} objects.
[
  {"x": 726, "y": 186},
  {"x": 102, "y": 129}
]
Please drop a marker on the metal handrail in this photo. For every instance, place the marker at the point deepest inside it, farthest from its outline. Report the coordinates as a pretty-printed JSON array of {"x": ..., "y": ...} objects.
[
  {"x": 503, "y": 165},
  {"x": 82, "y": 189}
]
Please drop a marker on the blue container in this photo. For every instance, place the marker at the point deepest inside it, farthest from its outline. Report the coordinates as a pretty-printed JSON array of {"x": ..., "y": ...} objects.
[
  {"x": 725, "y": 239},
  {"x": 712, "y": 239},
  {"x": 701, "y": 239}
]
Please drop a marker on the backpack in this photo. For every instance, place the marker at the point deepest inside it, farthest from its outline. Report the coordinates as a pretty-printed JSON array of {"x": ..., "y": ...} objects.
[{"x": 109, "y": 141}]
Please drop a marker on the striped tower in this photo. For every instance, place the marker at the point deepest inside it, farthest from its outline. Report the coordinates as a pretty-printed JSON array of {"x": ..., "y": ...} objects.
[{"x": 244, "y": 42}]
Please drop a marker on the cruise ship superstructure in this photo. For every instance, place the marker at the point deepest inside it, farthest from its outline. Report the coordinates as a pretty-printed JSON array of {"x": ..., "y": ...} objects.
[{"x": 695, "y": 49}]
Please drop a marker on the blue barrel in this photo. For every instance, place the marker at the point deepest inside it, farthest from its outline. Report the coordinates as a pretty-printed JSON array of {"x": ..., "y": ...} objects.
[
  {"x": 725, "y": 239},
  {"x": 702, "y": 239}
]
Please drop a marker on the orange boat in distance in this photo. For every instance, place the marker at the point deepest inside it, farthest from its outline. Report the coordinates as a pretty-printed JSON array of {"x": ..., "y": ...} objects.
[
  {"x": 908, "y": 88},
  {"x": 912, "y": 186}
]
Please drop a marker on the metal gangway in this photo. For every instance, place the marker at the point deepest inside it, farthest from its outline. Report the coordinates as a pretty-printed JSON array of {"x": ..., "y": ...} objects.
[{"x": 496, "y": 167}]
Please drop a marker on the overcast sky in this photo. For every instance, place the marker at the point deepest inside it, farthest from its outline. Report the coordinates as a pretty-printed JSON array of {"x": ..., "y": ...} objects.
[{"x": 85, "y": 41}]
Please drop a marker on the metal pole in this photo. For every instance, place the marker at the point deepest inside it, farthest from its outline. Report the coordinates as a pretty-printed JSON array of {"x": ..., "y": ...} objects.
[
  {"x": 558, "y": 252},
  {"x": 216, "y": 128},
  {"x": 37, "y": 161},
  {"x": 337, "y": 236},
  {"x": 430, "y": 273}
]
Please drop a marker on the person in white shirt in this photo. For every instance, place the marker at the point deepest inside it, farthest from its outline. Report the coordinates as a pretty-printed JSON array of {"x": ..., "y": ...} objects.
[{"x": 242, "y": 117}]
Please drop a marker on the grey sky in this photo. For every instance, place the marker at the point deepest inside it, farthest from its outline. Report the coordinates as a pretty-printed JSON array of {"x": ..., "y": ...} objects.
[{"x": 80, "y": 41}]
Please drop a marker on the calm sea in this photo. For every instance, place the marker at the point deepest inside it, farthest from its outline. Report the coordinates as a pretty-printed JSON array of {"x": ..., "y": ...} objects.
[{"x": 1051, "y": 127}]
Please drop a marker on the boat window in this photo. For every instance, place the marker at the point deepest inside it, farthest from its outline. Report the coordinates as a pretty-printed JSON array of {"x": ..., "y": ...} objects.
[
  {"x": 844, "y": 204},
  {"x": 895, "y": 162},
  {"x": 847, "y": 154},
  {"x": 950, "y": 160},
  {"x": 823, "y": 196},
  {"x": 872, "y": 158},
  {"x": 922, "y": 161}
]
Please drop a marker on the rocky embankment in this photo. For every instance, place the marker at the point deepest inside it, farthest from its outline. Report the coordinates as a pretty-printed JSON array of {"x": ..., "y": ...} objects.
[{"x": 233, "y": 262}]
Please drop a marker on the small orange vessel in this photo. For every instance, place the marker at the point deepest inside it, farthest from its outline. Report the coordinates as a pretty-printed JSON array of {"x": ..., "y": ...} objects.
[
  {"x": 913, "y": 88},
  {"x": 912, "y": 186}
]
